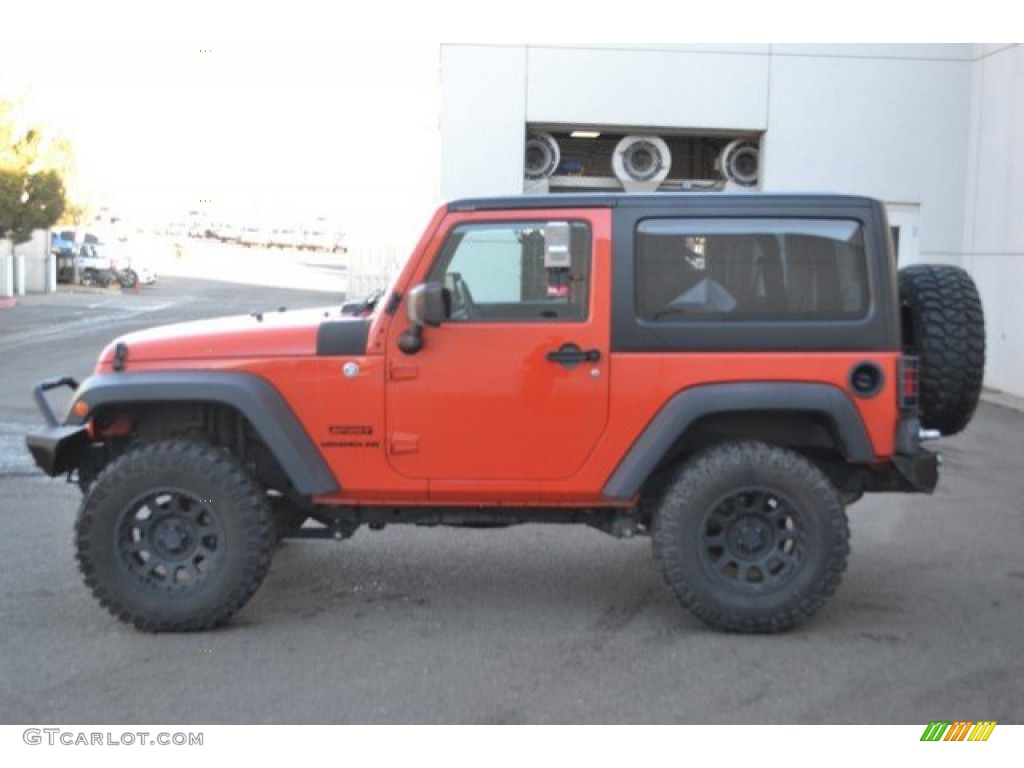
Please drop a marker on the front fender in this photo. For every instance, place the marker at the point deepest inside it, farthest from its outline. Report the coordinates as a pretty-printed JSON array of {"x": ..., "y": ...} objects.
[{"x": 253, "y": 397}]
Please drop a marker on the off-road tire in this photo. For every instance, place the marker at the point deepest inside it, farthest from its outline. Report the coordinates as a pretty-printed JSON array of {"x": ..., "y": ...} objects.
[
  {"x": 751, "y": 537},
  {"x": 174, "y": 536},
  {"x": 944, "y": 325}
]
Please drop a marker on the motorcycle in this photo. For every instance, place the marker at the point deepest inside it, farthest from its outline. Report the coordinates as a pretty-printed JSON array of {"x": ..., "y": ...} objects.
[{"x": 128, "y": 277}]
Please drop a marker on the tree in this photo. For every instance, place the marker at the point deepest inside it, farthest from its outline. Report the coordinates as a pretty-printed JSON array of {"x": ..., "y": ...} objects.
[{"x": 32, "y": 165}]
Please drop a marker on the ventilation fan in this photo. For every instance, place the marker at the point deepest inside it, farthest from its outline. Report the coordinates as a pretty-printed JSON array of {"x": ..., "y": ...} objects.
[
  {"x": 542, "y": 156},
  {"x": 641, "y": 163},
  {"x": 738, "y": 163}
]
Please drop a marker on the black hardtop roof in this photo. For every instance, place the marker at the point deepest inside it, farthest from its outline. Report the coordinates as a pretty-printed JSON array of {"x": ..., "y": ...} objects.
[{"x": 661, "y": 199}]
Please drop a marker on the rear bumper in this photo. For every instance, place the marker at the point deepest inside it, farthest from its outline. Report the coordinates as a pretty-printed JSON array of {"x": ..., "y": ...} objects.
[
  {"x": 917, "y": 468},
  {"x": 919, "y": 472},
  {"x": 909, "y": 469}
]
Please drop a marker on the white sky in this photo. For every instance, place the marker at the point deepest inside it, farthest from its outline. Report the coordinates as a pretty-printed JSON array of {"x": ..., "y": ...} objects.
[{"x": 270, "y": 131}]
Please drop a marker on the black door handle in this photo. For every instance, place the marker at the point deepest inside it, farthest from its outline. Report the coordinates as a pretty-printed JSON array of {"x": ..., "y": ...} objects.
[{"x": 570, "y": 355}]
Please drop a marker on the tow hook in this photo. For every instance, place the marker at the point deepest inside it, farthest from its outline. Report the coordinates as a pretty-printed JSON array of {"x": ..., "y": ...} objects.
[
  {"x": 624, "y": 528},
  {"x": 620, "y": 526}
]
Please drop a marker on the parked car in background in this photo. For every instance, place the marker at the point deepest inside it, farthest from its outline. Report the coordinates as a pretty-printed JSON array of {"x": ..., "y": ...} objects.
[
  {"x": 227, "y": 233},
  {"x": 79, "y": 237},
  {"x": 286, "y": 238},
  {"x": 60, "y": 246},
  {"x": 254, "y": 236},
  {"x": 323, "y": 240},
  {"x": 103, "y": 265},
  {"x": 138, "y": 273},
  {"x": 198, "y": 228},
  {"x": 96, "y": 265},
  {"x": 64, "y": 252}
]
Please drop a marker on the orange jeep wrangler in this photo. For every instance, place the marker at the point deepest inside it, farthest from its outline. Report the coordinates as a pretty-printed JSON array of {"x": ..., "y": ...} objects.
[{"x": 724, "y": 373}]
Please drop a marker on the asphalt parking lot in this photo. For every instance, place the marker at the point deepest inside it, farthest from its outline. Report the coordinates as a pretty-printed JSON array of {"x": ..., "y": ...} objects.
[{"x": 531, "y": 624}]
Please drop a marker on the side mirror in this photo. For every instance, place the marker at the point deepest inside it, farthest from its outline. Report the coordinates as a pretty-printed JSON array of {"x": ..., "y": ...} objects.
[{"x": 428, "y": 304}]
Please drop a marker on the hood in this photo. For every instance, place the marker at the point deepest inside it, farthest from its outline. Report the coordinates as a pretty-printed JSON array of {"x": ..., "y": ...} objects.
[{"x": 258, "y": 335}]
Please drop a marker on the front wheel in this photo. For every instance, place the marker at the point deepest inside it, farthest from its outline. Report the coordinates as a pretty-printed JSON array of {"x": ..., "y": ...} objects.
[
  {"x": 751, "y": 537},
  {"x": 174, "y": 536}
]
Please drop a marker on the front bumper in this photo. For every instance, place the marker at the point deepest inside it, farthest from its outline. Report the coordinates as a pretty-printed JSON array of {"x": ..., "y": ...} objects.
[
  {"x": 57, "y": 450},
  {"x": 59, "y": 447}
]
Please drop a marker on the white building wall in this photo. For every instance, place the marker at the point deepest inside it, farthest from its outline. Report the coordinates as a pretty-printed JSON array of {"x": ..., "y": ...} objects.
[
  {"x": 620, "y": 86},
  {"x": 890, "y": 128},
  {"x": 483, "y": 111},
  {"x": 994, "y": 208}
]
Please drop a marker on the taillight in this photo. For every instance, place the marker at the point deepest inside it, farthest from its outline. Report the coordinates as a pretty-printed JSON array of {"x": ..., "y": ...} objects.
[{"x": 910, "y": 381}]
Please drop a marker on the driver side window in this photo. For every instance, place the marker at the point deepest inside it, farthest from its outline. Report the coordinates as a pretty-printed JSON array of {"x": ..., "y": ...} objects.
[{"x": 516, "y": 271}]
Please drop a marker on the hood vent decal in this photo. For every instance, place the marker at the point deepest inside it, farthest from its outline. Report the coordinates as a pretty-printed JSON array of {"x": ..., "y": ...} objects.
[{"x": 342, "y": 337}]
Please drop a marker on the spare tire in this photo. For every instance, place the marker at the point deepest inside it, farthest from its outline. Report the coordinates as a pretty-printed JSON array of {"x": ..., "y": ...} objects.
[{"x": 944, "y": 326}]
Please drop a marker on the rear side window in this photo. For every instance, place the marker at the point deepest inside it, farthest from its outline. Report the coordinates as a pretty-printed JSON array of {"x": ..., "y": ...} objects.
[{"x": 750, "y": 269}]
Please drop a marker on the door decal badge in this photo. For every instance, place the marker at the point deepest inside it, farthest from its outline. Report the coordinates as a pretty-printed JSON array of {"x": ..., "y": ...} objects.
[{"x": 353, "y": 432}]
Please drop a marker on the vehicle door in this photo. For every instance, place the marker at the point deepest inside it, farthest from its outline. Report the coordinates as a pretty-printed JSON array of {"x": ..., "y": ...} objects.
[{"x": 511, "y": 389}]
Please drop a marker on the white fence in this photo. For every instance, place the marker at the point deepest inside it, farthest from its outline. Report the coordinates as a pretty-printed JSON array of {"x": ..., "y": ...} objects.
[
  {"x": 373, "y": 258},
  {"x": 27, "y": 267}
]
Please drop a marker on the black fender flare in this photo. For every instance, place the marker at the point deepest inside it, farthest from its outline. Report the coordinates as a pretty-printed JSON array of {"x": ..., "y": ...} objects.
[
  {"x": 250, "y": 395},
  {"x": 685, "y": 408}
]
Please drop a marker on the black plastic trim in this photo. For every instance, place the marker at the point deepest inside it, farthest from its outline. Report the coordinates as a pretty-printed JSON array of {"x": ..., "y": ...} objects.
[
  {"x": 253, "y": 397},
  {"x": 342, "y": 337},
  {"x": 679, "y": 413}
]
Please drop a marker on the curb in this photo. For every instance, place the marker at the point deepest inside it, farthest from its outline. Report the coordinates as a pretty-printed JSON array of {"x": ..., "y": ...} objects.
[{"x": 95, "y": 290}]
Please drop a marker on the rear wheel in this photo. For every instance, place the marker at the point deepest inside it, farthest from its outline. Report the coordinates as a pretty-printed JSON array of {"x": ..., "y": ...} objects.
[
  {"x": 944, "y": 326},
  {"x": 751, "y": 537},
  {"x": 174, "y": 536}
]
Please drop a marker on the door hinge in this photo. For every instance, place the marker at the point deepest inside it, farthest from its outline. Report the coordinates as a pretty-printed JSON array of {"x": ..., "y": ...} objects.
[
  {"x": 403, "y": 442},
  {"x": 403, "y": 371}
]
